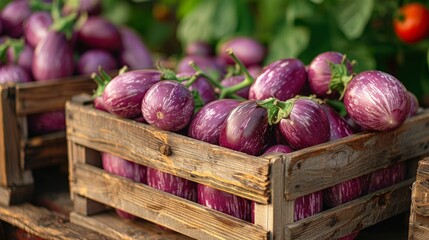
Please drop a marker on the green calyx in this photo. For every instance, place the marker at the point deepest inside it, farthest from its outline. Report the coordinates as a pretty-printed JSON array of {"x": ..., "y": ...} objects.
[
  {"x": 63, "y": 24},
  {"x": 102, "y": 79},
  {"x": 276, "y": 109},
  {"x": 339, "y": 77},
  {"x": 16, "y": 45}
]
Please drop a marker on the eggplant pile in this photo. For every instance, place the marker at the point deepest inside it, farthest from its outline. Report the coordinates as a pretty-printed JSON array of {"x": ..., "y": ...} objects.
[
  {"x": 227, "y": 98},
  {"x": 42, "y": 42}
]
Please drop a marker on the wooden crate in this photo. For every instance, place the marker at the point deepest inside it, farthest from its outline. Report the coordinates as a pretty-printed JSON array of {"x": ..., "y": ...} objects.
[
  {"x": 273, "y": 182},
  {"x": 19, "y": 152},
  {"x": 419, "y": 215}
]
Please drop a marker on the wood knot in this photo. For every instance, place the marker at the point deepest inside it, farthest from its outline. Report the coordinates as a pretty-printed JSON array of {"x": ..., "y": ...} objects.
[
  {"x": 333, "y": 221},
  {"x": 165, "y": 150}
]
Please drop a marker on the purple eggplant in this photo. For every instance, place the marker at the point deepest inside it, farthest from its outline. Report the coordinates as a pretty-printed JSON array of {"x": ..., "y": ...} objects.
[
  {"x": 91, "y": 7},
  {"x": 205, "y": 125},
  {"x": 306, "y": 125},
  {"x": 123, "y": 94},
  {"x": 124, "y": 168},
  {"x": 386, "y": 177},
  {"x": 279, "y": 148},
  {"x": 282, "y": 79},
  {"x": 134, "y": 52},
  {"x": 11, "y": 73},
  {"x": 49, "y": 122},
  {"x": 199, "y": 48},
  {"x": 225, "y": 202},
  {"x": 350, "y": 236},
  {"x": 377, "y": 101},
  {"x": 306, "y": 205},
  {"x": 53, "y": 57},
  {"x": 234, "y": 80},
  {"x": 13, "y": 16},
  {"x": 99, "y": 33},
  {"x": 248, "y": 50},
  {"x": 345, "y": 191},
  {"x": 414, "y": 104},
  {"x": 172, "y": 184},
  {"x": 320, "y": 74},
  {"x": 91, "y": 60},
  {"x": 37, "y": 27},
  {"x": 207, "y": 64},
  {"x": 338, "y": 125},
  {"x": 202, "y": 86},
  {"x": 24, "y": 60},
  {"x": 168, "y": 105},
  {"x": 246, "y": 129}
]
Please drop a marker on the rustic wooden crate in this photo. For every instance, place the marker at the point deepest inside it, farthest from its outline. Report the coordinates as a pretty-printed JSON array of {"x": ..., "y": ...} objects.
[
  {"x": 273, "y": 182},
  {"x": 419, "y": 214},
  {"x": 19, "y": 153}
]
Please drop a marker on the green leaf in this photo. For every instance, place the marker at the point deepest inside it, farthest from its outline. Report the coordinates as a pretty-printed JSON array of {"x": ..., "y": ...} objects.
[
  {"x": 353, "y": 16},
  {"x": 210, "y": 21},
  {"x": 288, "y": 42}
]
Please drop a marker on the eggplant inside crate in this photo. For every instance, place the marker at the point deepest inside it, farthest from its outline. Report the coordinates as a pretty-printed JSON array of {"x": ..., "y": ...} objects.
[
  {"x": 272, "y": 182},
  {"x": 22, "y": 150}
]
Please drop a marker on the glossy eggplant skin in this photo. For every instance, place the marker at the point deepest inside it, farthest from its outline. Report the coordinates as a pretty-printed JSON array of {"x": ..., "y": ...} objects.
[
  {"x": 248, "y": 50},
  {"x": 36, "y": 27},
  {"x": 246, "y": 129},
  {"x": 90, "y": 61},
  {"x": 53, "y": 58},
  {"x": 99, "y": 33},
  {"x": 124, "y": 93},
  {"x": 12, "y": 73},
  {"x": 206, "y": 123},
  {"x": 282, "y": 80},
  {"x": 377, "y": 101},
  {"x": 224, "y": 202},
  {"x": 13, "y": 16},
  {"x": 168, "y": 105},
  {"x": 306, "y": 126},
  {"x": 339, "y": 127},
  {"x": 319, "y": 72}
]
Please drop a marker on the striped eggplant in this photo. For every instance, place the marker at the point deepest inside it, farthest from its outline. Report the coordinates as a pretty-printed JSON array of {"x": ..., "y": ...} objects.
[
  {"x": 338, "y": 126},
  {"x": 248, "y": 50},
  {"x": 134, "y": 52},
  {"x": 37, "y": 27},
  {"x": 99, "y": 33},
  {"x": 91, "y": 60},
  {"x": 13, "y": 73},
  {"x": 13, "y": 16}
]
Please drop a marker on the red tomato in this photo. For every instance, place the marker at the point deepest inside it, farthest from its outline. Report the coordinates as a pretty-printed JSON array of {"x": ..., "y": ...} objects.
[{"x": 412, "y": 23}]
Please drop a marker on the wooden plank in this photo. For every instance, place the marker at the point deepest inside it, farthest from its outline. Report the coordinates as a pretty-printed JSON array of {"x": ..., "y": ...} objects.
[
  {"x": 46, "y": 150},
  {"x": 274, "y": 216},
  {"x": 159, "y": 207},
  {"x": 230, "y": 171},
  {"x": 15, "y": 194},
  {"x": 81, "y": 155},
  {"x": 355, "y": 215},
  {"x": 38, "y": 97},
  {"x": 325, "y": 165},
  {"x": 418, "y": 232},
  {"x": 110, "y": 225},
  {"x": 44, "y": 223}
]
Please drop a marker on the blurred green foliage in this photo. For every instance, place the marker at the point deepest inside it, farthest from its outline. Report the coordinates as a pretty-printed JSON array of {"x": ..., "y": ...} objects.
[{"x": 288, "y": 28}]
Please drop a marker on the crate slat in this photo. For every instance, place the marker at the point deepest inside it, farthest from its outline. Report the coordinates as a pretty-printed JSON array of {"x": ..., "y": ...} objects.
[
  {"x": 37, "y": 97},
  {"x": 355, "y": 215},
  {"x": 229, "y": 171},
  {"x": 160, "y": 207},
  {"x": 109, "y": 224},
  {"x": 15, "y": 194},
  {"x": 419, "y": 215},
  {"x": 47, "y": 150},
  {"x": 319, "y": 167}
]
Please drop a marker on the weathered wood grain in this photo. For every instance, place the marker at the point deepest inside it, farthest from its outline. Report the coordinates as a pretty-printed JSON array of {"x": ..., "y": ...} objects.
[
  {"x": 38, "y": 97},
  {"x": 10, "y": 172},
  {"x": 275, "y": 215},
  {"x": 419, "y": 214},
  {"x": 46, "y": 224},
  {"x": 110, "y": 225},
  {"x": 186, "y": 217},
  {"x": 45, "y": 150},
  {"x": 325, "y": 165},
  {"x": 230, "y": 171},
  {"x": 355, "y": 215}
]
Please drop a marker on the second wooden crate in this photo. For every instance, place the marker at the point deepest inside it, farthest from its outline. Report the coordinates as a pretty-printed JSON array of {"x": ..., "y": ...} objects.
[{"x": 19, "y": 152}]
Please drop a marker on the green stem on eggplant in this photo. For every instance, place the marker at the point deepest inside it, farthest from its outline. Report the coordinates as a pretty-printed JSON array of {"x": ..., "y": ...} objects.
[
  {"x": 248, "y": 79},
  {"x": 276, "y": 109},
  {"x": 199, "y": 71},
  {"x": 102, "y": 79},
  {"x": 340, "y": 78}
]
